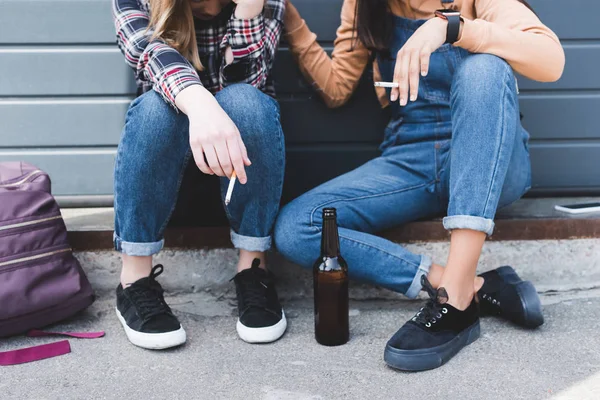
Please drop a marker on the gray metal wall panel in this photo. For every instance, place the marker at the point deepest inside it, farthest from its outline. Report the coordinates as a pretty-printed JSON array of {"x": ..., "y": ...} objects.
[
  {"x": 56, "y": 21},
  {"x": 67, "y": 71},
  {"x": 89, "y": 171},
  {"x": 49, "y": 57},
  {"x": 561, "y": 116},
  {"x": 63, "y": 70},
  {"x": 62, "y": 122},
  {"x": 73, "y": 171},
  {"x": 566, "y": 165},
  {"x": 98, "y": 122},
  {"x": 570, "y": 19},
  {"x": 85, "y": 21}
]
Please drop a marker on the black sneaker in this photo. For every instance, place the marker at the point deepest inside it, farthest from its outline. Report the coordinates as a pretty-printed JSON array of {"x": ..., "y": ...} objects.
[
  {"x": 434, "y": 335},
  {"x": 506, "y": 295},
  {"x": 261, "y": 318},
  {"x": 146, "y": 317}
]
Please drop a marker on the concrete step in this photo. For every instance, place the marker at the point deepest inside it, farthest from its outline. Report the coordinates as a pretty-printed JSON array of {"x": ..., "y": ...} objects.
[
  {"x": 564, "y": 255},
  {"x": 553, "y": 266}
]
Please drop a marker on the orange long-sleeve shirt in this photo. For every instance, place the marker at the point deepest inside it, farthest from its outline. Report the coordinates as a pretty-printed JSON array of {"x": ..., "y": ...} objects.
[{"x": 505, "y": 28}]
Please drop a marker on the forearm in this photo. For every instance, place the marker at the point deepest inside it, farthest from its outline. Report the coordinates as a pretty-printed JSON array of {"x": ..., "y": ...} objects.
[
  {"x": 337, "y": 76},
  {"x": 510, "y": 30},
  {"x": 534, "y": 55},
  {"x": 194, "y": 100}
]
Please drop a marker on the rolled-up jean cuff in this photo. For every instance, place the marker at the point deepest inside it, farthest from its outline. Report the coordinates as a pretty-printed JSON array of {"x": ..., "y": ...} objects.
[
  {"x": 250, "y": 243},
  {"x": 469, "y": 222},
  {"x": 415, "y": 286},
  {"x": 137, "y": 248}
]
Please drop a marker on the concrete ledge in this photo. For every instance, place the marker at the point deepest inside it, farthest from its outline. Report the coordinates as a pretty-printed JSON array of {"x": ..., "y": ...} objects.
[
  {"x": 556, "y": 251},
  {"x": 553, "y": 265},
  {"x": 527, "y": 219}
]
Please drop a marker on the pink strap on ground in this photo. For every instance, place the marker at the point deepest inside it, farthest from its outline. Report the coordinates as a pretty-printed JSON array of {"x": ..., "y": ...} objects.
[
  {"x": 35, "y": 353},
  {"x": 79, "y": 335},
  {"x": 44, "y": 351}
]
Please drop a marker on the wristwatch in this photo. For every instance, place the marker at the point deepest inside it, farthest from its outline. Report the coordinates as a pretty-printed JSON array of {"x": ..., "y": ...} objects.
[{"x": 453, "y": 17}]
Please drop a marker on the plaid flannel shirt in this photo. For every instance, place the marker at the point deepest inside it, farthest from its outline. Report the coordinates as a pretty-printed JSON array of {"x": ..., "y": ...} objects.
[{"x": 160, "y": 67}]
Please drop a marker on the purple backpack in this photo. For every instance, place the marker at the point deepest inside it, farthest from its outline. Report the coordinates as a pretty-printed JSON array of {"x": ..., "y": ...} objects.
[{"x": 40, "y": 281}]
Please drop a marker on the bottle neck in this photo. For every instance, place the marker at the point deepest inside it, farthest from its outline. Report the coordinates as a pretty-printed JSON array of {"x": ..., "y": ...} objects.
[{"x": 330, "y": 241}]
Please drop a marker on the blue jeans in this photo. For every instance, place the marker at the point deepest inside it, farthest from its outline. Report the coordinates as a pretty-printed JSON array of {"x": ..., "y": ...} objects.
[
  {"x": 459, "y": 149},
  {"x": 154, "y": 152}
]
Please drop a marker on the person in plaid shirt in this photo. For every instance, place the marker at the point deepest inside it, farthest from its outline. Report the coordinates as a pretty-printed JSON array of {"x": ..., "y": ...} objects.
[{"x": 203, "y": 73}]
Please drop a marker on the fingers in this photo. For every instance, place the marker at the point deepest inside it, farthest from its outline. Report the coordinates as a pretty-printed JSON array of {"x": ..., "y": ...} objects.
[
  {"x": 223, "y": 156},
  {"x": 403, "y": 78},
  {"x": 198, "y": 154},
  {"x": 213, "y": 161},
  {"x": 394, "y": 92},
  {"x": 247, "y": 161},
  {"x": 413, "y": 74},
  {"x": 409, "y": 64},
  {"x": 235, "y": 154},
  {"x": 425, "y": 57}
]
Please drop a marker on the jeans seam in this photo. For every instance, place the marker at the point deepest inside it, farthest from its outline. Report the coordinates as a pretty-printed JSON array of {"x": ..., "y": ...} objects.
[
  {"x": 370, "y": 196},
  {"x": 381, "y": 250},
  {"x": 186, "y": 160},
  {"x": 374, "y": 247},
  {"x": 502, "y": 139}
]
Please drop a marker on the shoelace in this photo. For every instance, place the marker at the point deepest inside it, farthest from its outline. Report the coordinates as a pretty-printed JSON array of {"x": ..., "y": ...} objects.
[
  {"x": 149, "y": 298},
  {"x": 252, "y": 288},
  {"x": 433, "y": 310}
]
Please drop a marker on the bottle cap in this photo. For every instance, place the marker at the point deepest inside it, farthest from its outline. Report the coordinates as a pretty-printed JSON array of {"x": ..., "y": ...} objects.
[{"x": 329, "y": 212}]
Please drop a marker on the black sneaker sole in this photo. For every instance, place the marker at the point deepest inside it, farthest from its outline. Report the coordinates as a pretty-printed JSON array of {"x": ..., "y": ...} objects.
[
  {"x": 530, "y": 300},
  {"x": 434, "y": 357}
]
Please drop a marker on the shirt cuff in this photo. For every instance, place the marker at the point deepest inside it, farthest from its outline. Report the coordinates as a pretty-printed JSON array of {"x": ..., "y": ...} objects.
[
  {"x": 172, "y": 81},
  {"x": 474, "y": 34},
  {"x": 244, "y": 35}
]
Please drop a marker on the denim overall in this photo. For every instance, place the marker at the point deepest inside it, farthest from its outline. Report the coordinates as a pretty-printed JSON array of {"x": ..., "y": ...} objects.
[{"x": 459, "y": 150}]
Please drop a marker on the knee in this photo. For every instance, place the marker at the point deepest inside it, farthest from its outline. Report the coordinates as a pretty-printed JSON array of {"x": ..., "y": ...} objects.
[
  {"x": 292, "y": 235},
  {"x": 151, "y": 122},
  {"x": 255, "y": 114},
  {"x": 483, "y": 76}
]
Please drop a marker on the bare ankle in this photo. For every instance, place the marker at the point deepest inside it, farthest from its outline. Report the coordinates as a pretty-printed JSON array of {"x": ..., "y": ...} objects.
[
  {"x": 460, "y": 295},
  {"x": 135, "y": 268},
  {"x": 247, "y": 257}
]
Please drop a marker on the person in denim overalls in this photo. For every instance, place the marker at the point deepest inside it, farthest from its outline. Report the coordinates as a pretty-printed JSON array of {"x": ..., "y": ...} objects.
[{"x": 454, "y": 146}]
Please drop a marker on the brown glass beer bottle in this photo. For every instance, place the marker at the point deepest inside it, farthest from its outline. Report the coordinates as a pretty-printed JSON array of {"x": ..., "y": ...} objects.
[{"x": 330, "y": 277}]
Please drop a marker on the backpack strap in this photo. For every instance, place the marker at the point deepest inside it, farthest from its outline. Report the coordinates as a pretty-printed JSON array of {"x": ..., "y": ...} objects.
[
  {"x": 41, "y": 352},
  {"x": 35, "y": 353}
]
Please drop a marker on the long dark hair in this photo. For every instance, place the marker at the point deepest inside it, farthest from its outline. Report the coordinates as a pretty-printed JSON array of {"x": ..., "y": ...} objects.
[{"x": 373, "y": 23}]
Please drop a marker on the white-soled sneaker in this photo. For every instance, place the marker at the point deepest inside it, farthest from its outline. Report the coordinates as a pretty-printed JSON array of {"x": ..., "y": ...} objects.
[
  {"x": 146, "y": 318},
  {"x": 261, "y": 318}
]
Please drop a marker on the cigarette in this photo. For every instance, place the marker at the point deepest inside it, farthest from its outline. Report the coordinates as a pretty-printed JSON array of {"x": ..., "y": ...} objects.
[
  {"x": 230, "y": 188},
  {"x": 386, "y": 84}
]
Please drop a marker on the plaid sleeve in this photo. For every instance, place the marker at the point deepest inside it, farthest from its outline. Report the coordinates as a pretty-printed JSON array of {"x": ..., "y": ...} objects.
[
  {"x": 253, "y": 43},
  {"x": 155, "y": 62}
]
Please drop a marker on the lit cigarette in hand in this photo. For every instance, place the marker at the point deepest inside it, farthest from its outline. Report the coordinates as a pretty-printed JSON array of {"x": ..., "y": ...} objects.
[{"x": 230, "y": 188}]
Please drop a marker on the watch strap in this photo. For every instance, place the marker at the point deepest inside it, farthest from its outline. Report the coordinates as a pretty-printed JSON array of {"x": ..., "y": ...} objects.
[{"x": 453, "y": 28}]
